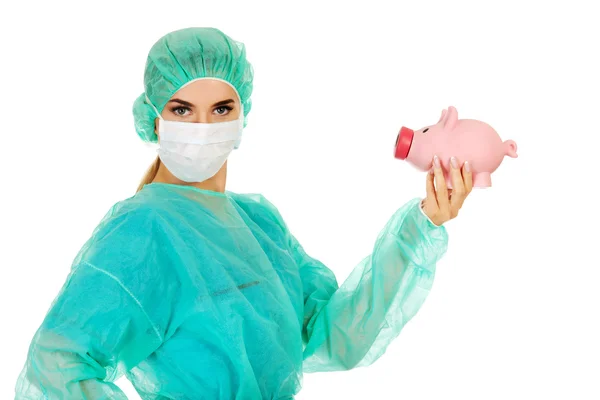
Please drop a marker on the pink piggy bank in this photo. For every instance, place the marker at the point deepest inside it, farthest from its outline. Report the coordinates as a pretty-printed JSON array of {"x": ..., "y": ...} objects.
[{"x": 466, "y": 139}]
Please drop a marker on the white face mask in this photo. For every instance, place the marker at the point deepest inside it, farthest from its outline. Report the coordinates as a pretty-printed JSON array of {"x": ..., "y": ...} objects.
[{"x": 195, "y": 152}]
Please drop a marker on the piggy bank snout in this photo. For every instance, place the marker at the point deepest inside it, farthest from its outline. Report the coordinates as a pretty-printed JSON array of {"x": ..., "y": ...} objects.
[{"x": 404, "y": 142}]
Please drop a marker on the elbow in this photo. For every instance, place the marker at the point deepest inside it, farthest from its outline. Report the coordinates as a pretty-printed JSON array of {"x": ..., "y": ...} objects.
[{"x": 54, "y": 370}]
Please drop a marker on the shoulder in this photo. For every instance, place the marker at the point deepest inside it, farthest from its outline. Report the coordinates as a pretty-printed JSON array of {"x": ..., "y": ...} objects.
[
  {"x": 132, "y": 247},
  {"x": 129, "y": 217},
  {"x": 261, "y": 210},
  {"x": 129, "y": 232},
  {"x": 256, "y": 204}
]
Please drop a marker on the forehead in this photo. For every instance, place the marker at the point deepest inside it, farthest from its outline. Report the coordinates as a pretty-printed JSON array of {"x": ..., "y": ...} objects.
[{"x": 206, "y": 92}]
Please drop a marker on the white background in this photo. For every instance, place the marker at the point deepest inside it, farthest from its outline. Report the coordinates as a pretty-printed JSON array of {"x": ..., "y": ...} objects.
[{"x": 514, "y": 310}]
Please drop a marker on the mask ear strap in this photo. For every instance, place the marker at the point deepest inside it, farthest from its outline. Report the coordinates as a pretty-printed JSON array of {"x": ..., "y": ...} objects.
[
  {"x": 152, "y": 105},
  {"x": 160, "y": 118},
  {"x": 241, "y": 125}
]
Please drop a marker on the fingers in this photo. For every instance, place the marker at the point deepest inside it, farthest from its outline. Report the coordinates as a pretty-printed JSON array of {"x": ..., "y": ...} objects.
[
  {"x": 440, "y": 187},
  {"x": 467, "y": 177},
  {"x": 458, "y": 188},
  {"x": 443, "y": 204},
  {"x": 431, "y": 189}
]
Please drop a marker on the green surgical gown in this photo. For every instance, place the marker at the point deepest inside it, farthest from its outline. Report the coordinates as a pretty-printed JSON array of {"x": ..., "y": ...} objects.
[{"x": 195, "y": 294}]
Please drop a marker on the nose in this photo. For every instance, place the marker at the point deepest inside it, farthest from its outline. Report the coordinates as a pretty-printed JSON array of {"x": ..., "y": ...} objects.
[
  {"x": 203, "y": 117},
  {"x": 403, "y": 143}
]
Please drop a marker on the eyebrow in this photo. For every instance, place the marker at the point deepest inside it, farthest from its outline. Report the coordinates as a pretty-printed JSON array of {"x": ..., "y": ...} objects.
[
  {"x": 223, "y": 103},
  {"x": 182, "y": 102},
  {"x": 190, "y": 105}
]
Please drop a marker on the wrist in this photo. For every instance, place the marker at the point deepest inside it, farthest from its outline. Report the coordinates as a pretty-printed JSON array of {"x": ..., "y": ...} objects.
[{"x": 421, "y": 204}]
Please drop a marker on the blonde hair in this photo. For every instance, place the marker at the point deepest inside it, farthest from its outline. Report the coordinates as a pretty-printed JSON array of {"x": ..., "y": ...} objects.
[{"x": 150, "y": 174}]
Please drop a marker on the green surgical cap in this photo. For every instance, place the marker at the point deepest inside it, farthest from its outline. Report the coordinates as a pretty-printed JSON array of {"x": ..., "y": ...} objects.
[{"x": 183, "y": 56}]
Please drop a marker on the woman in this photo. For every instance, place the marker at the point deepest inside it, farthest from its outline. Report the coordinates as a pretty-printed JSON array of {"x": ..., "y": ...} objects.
[{"x": 195, "y": 292}]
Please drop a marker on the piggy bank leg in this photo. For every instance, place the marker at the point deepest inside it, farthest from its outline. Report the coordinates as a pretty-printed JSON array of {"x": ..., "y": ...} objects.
[{"x": 482, "y": 180}]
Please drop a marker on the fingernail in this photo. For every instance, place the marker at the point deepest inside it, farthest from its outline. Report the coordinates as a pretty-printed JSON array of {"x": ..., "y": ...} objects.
[
  {"x": 436, "y": 161},
  {"x": 467, "y": 166},
  {"x": 453, "y": 162}
]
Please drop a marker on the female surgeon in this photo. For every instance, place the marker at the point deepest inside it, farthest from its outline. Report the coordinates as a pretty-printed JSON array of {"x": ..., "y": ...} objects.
[{"x": 194, "y": 292}]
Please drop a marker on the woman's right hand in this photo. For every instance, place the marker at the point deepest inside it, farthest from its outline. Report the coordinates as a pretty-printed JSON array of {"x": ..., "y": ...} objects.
[{"x": 441, "y": 204}]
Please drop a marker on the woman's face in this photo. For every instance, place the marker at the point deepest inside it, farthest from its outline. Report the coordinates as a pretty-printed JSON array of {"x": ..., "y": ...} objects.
[{"x": 205, "y": 101}]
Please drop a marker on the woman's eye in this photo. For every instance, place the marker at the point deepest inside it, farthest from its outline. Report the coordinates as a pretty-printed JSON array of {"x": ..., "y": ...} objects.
[
  {"x": 223, "y": 110},
  {"x": 180, "y": 111},
  {"x": 425, "y": 130}
]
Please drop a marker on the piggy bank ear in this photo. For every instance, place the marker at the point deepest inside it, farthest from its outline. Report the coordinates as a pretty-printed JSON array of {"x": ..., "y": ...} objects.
[
  {"x": 443, "y": 116},
  {"x": 451, "y": 118}
]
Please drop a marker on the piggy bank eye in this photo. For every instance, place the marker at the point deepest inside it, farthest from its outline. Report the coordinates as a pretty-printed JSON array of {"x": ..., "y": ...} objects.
[{"x": 425, "y": 130}]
